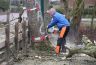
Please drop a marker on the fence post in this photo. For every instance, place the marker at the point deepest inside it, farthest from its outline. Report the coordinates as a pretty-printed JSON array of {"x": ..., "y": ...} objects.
[
  {"x": 29, "y": 33},
  {"x": 24, "y": 37},
  {"x": 7, "y": 41},
  {"x": 16, "y": 38}
]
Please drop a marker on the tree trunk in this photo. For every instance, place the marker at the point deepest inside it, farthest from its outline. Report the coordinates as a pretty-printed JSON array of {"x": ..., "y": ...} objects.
[
  {"x": 75, "y": 23},
  {"x": 65, "y": 7},
  {"x": 93, "y": 15},
  {"x": 88, "y": 49}
]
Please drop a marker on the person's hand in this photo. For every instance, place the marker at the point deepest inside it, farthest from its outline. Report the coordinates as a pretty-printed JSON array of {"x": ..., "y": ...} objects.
[{"x": 47, "y": 29}]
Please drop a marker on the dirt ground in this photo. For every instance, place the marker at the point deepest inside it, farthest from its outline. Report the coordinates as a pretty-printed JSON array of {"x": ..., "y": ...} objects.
[
  {"x": 44, "y": 55},
  {"x": 36, "y": 57}
]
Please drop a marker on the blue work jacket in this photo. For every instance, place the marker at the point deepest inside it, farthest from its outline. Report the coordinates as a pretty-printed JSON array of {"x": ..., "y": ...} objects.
[{"x": 59, "y": 20}]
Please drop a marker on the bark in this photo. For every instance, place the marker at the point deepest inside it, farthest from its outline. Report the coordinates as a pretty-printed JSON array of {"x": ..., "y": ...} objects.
[
  {"x": 93, "y": 15},
  {"x": 89, "y": 48},
  {"x": 65, "y": 7},
  {"x": 77, "y": 13},
  {"x": 76, "y": 19}
]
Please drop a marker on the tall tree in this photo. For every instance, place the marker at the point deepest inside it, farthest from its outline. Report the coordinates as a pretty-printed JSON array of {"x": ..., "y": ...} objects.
[
  {"x": 65, "y": 6},
  {"x": 76, "y": 14},
  {"x": 93, "y": 15}
]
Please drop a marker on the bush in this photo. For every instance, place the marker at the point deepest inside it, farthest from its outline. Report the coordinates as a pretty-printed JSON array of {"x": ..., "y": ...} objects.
[{"x": 4, "y": 4}]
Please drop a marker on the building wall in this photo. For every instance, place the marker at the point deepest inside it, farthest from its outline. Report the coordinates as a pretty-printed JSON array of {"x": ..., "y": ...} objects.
[{"x": 88, "y": 3}]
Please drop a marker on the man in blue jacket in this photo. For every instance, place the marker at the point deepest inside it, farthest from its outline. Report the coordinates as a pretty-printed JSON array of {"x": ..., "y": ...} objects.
[{"x": 63, "y": 25}]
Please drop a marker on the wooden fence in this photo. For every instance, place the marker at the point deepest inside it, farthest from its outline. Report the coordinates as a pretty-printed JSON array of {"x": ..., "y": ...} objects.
[{"x": 15, "y": 45}]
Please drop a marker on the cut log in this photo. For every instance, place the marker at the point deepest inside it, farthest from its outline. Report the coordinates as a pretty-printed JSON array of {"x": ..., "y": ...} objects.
[{"x": 89, "y": 48}]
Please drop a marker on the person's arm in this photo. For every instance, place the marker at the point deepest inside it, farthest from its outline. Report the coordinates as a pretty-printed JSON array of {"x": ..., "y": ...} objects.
[{"x": 52, "y": 23}]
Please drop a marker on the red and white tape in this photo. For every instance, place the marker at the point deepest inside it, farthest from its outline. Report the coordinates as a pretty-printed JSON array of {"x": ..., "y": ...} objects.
[
  {"x": 41, "y": 38},
  {"x": 37, "y": 8}
]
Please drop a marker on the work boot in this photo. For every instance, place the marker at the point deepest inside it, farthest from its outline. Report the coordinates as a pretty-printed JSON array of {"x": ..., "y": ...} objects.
[{"x": 57, "y": 50}]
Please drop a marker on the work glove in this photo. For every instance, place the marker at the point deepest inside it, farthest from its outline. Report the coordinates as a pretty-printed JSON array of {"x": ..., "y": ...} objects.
[{"x": 47, "y": 29}]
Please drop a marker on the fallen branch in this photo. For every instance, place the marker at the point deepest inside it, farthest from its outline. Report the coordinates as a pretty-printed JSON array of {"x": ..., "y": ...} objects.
[{"x": 89, "y": 49}]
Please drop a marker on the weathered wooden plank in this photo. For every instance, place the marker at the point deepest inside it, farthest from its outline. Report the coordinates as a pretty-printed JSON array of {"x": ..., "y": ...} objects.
[
  {"x": 1, "y": 52},
  {"x": 29, "y": 34},
  {"x": 1, "y": 61},
  {"x": 24, "y": 37},
  {"x": 7, "y": 32},
  {"x": 16, "y": 38},
  {"x": 2, "y": 55},
  {"x": 2, "y": 42}
]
